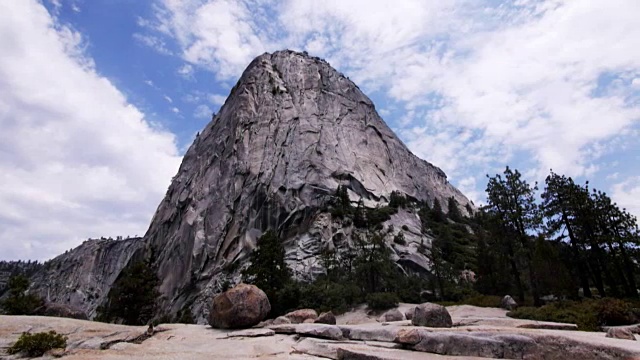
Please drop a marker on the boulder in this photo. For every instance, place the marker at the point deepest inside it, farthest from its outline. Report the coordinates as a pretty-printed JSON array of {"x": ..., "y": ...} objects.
[
  {"x": 238, "y": 308},
  {"x": 326, "y": 318},
  {"x": 309, "y": 321},
  {"x": 409, "y": 313},
  {"x": 281, "y": 320},
  {"x": 61, "y": 310},
  {"x": 391, "y": 315},
  {"x": 621, "y": 333},
  {"x": 508, "y": 303},
  {"x": 299, "y": 316},
  {"x": 431, "y": 315}
]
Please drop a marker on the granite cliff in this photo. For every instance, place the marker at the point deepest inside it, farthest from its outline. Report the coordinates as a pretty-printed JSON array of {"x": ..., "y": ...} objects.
[{"x": 290, "y": 132}]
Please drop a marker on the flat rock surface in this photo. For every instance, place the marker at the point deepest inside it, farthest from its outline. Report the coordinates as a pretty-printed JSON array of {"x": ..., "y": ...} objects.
[{"x": 372, "y": 340}]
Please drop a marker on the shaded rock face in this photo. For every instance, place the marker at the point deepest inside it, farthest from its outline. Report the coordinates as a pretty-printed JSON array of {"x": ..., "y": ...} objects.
[
  {"x": 81, "y": 278},
  {"x": 290, "y": 132},
  {"x": 241, "y": 307}
]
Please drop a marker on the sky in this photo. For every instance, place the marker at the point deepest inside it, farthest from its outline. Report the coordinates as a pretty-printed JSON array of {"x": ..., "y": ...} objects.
[{"x": 99, "y": 99}]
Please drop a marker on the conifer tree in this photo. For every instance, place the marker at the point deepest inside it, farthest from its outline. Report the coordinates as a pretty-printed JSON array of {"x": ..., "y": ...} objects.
[{"x": 512, "y": 200}]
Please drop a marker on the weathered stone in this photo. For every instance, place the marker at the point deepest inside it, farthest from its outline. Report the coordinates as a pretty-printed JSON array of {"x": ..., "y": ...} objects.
[
  {"x": 326, "y": 318},
  {"x": 620, "y": 333},
  {"x": 409, "y": 313},
  {"x": 299, "y": 316},
  {"x": 508, "y": 303},
  {"x": 324, "y": 331},
  {"x": 309, "y": 321},
  {"x": 281, "y": 320},
  {"x": 408, "y": 336},
  {"x": 391, "y": 315},
  {"x": 240, "y": 307},
  {"x": 431, "y": 315},
  {"x": 251, "y": 333},
  {"x": 61, "y": 310},
  {"x": 370, "y": 333}
]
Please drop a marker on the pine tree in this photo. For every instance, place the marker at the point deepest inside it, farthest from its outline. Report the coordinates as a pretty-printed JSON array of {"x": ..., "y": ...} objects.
[
  {"x": 133, "y": 298},
  {"x": 512, "y": 200},
  {"x": 268, "y": 269},
  {"x": 19, "y": 302}
]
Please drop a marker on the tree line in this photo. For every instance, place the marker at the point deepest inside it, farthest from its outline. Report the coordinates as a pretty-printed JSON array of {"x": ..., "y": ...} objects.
[{"x": 573, "y": 241}]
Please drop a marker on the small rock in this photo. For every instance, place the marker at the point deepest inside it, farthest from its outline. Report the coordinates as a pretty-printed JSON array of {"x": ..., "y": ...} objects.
[
  {"x": 408, "y": 336},
  {"x": 431, "y": 315},
  {"x": 620, "y": 333},
  {"x": 326, "y": 318},
  {"x": 508, "y": 303},
  {"x": 299, "y": 316},
  {"x": 308, "y": 321},
  {"x": 56, "y": 353},
  {"x": 281, "y": 320},
  {"x": 240, "y": 307},
  {"x": 391, "y": 315}
]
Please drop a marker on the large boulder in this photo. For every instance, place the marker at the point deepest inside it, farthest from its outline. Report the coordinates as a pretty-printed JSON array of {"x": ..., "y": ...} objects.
[
  {"x": 431, "y": 315},
  {"x": 299, "y": 316},
  {"x": 326, "y": 318},
  {"x": 391, "y": 315},
  {"x": 61, "y": 310},
  {"x": 621, "y": 333},
  {"x": 508, "y": 303},
  {"x": 239, "y": 308}
]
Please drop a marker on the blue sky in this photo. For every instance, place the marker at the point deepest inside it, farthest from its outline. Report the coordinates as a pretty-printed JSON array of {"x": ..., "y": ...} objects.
[{"x": 99, "y": 99}]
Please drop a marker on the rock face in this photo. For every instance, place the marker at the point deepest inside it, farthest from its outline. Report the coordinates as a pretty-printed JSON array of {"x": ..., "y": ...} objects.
[
  {"x": 290, "y": 132},
  {"x": 241, "y": 307},
  {"x": 81, "y": 278},
  {"x": 431, "y": 315}
]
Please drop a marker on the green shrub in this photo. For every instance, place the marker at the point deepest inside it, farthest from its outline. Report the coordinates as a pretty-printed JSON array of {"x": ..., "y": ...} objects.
[
  {"x": 589, "y": 315},
  {"x": 614, "y": 312},
  {"x": 34, "y": 345},
  {"x": 382, "y": 301},
  {"x": 483, "y": 301}
]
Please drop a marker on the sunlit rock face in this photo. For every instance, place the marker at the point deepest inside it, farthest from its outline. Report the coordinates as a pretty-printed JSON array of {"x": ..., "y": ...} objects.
[{"x": 291, "y": 131}]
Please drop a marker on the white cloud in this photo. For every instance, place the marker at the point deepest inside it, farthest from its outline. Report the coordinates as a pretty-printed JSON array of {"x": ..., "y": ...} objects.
[
  {"x": 217, "y": 99},
  {"x": 627, "y": 194},
  {"x": 154, "y": 42},
  {"x": 175, "y": 110},
  {"x": 536, "y": 84},
  {"x": 186, "y": 71},
  {"x": 77, "y": 159},
  {"x": 203, "y": 112},
  {"x": 168, "y": 98}
]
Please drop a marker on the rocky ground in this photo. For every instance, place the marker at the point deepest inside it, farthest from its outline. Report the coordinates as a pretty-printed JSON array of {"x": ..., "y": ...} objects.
[{"x": 477, "y": 333}]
